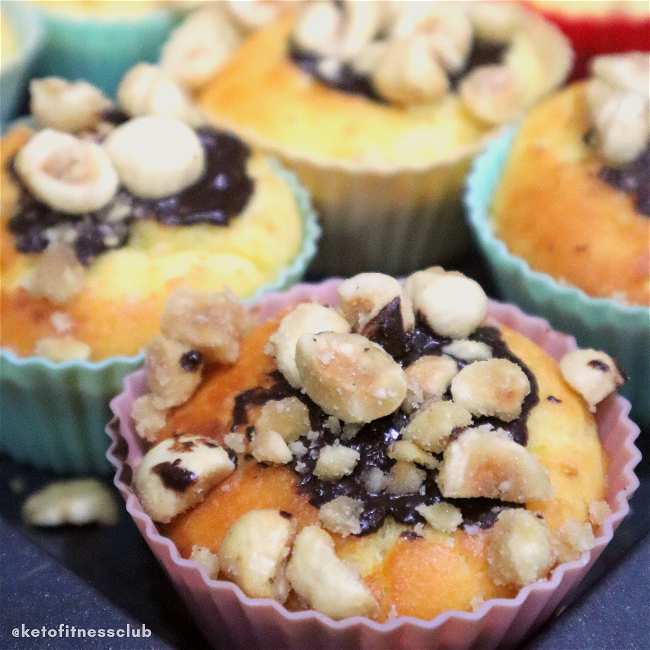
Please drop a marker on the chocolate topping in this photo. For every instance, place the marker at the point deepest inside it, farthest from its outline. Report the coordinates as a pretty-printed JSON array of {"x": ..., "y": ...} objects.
[
  {"x": 173, "y": 476},
  {"x": 191, "y": 361},
  {"x": 597, "y": 364},
  {"x": 555, "y": 400},
  {"x": 633, "y": 178},
  {"x": 222, "y": 193}
]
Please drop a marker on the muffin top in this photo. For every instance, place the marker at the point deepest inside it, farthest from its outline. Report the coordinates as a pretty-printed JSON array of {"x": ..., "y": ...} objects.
[
  {"x": 388, "y": 85},
  {"x": 104, "y": 215},
  {"x": 573, "y": 199},
  {"x": 399, "y": 456}
]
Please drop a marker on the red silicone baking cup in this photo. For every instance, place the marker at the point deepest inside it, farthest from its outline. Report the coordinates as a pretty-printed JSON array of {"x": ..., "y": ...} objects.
[
  {"x": 594, "y": 35},
  {"x": 226, "y": 615}
]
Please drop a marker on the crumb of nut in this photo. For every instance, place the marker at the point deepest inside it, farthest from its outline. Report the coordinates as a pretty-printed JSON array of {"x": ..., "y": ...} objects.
[
  {"x": 373, "y": 480},
  {"x": 207, "y": 559},
  {"x": 476, "y": 602},
  {"x": 442, "y": 516},
  {"x": 496, "y": 387},
  {"x": 349, "y": 376},
  {"x": 269, "y": 446},
  {"x": 405, "y": 451},
  {"x": 326, "y": 583},
  {"x": 349, "y": 431},
  {"x": 432, "y": 426},
  {"x": 306, "y": 318},
  {"x": 254, "y": 553},
  {"x": 61, "y": 321},
  {"x": 404, "y": 478},
  {"x": 335, "y": 462},
  {"x": 468, "y": 351},
  {"x": 490, "y": 464},
  {"x": 168, "y": 381},
  {"x": 298, "y": 449},
  {"x": 571, "y": 540},
  {"x": 178, "y": 473},
  {"x": 392, "y": 613},
  {"x": 78, "y": 502},
  {"x": 210, "y": 322},
  {"x": 236, "y": 442},
  {"x": 58, "y": 275},
  {"x": 62, "y": 349},
  {"x": 148, "y": 419},
  {"x": 342, "y": 516},
  {"x": 365, "y": 295},
  {"x": 428, "y": 379},
  {"x": 289, "y": 417},
  {"x": 519, "y": 550},
  {"x": 598, "y": 512},
  {"x": 592, "y": 373},
  {"x": 333, "y": 424}
]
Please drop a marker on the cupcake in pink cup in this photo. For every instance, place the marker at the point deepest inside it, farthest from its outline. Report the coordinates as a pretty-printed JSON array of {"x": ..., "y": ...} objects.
[{"x": 373, "y": 465}]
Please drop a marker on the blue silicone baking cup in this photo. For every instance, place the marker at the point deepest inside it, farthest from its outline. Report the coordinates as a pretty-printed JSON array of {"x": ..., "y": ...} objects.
[
  {"x": 600, "y": 323},
  {"x": 53, "y": 415}
]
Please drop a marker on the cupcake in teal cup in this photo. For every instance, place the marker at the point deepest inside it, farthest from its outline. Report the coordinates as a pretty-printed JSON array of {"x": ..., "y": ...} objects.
[
  {"x": 21, "y": 39},
  {"x": 102, "y": 219},
  {"x": 561, "y": 209},
  {"x": 99, "y": 40}
]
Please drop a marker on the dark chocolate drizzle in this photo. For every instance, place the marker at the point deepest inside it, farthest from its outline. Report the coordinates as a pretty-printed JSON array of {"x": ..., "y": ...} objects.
[
  {"x": 173, "y": 476},
  {"x": 219, "y": 195},
  {"x": 373, "y": 439},
  {"x": 555, "y": 400},
  {"x": 633, "y": 178},
  {"x": 597, "y": 364},
  {"x": 191, "y": 361}
]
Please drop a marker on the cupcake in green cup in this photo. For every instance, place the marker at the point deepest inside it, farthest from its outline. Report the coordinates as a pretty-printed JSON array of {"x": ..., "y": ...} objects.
[
  {"x": 82, "y": 291},
  {"x": 560, "y": 211}
]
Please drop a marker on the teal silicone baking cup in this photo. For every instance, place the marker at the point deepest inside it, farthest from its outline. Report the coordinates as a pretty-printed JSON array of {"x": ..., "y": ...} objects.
[
  {"x": 16, "y": 69},
  {"x": 98, "y": 48},
  {"x": 599, "y": 323},
  {"x": 53, "y": 415}
]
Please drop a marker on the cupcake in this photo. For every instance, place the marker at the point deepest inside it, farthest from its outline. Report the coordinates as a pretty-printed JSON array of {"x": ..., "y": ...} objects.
[
  {"x": 99, "y": 40},
  {"x": 598, "y": 26},
  {"x": 379, "y": 108},
  {"x": 562, "y": 214},
  {"x": 408, "y": 467},
  {"x": 103, "y": 216}
]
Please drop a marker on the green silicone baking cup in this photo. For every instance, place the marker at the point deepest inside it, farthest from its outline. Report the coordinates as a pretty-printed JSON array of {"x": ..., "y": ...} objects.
[
  {"x": 599, "y": 323},
  {"x": 52, "y": 415},
  {"x": 100, "y": 49}
]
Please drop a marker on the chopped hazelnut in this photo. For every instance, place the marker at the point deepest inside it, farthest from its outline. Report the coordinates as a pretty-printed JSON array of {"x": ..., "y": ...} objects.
[
  {"x": 63, "y": 349},
  {"x": 335, "y": 462},
  {"x": 428, "y": 379},
  {"x": 572, "y": 539},
  {"x": 432, "y": 426},
  {"x": 404, "y": 478},
  {"x": 519, "y": 550},
  {"x": 442, "y": 516},
  {"x": 270, "y": 447},
  {"x": 468, "y": 351},
  {"x": 489, "y": 464},
  {"x": 496, "y": 387},
  {"x": 420, "y": 280},
  {"x": 374, "y": 480},
  {"x": 208, "y": 560},
  {"x": 328, "y": 584},
  {"x": 593, "y": 374},
  {"x": 342, "y": 515},
  {"x": 148, "y": 419},
  {"x": 349, "y": 377},
  {"x": 236, "y": 442},
  {"x": 598, "y": 512},
  {"x": 58, "y": 274},
  {"x": 254, "y": 553},
  {"x": 410, "y": 453},
  {"x": 289, "y": 417}
]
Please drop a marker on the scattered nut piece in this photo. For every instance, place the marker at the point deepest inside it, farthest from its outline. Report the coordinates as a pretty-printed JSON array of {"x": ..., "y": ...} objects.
[
  {"x": 469, "y": 351},
  {"x": 148, "y": 419},
  {"x": 349, "y": 431},
  {"x": 342, "y": 515},
  {"x": 365, "y": 295},
  {"x": 519, "y": 551},
  {"x": 420, "y": 280},
  {"x": 442, "y": 516},
  {"x": 333, "y": 424},
  {"x": 629, "y": 71},
  {"x": 489, "y": 464},
  {"x": 432, "y": 426},
  {"x": 496, "y": 387},
  {"x": 169, "y": 383},
  {"x": 453, "y": 304},
  {"x": 571, "y": 540},
  {"x": 78, "y": 502},
  {"x": 405, "y": 478},
  {"x": 178, "y": 473},
  {"x": 289, "y": 417},
  {"x": 255, "y": 551},
  {"x": 270, "y": 447},
  {"x": 62, "y": 349},
  {"x": 592, "y": 373},
  {"x": 306, "y": 318},
  {"x": 58, "y": 275},
  {"x": 428, "y": 379},
  {"x": 208, "y": 560},
  {"x": 493, "y": 93},
  {"x": 598, "y": 512},
  {"x": 409, "y": 453},
  {"x": 214, "y": 323},
  {"x": 348, "y": 376},
  {"x": 335, "y": 462},
  {"x": 325, "y": 582},
  {"x": 236, "y": 442},
  {"x": 374, "y": 480}
]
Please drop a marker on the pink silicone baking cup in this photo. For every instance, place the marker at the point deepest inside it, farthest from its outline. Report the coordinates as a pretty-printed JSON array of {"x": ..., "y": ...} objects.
[{"x": 226, "y": 615}]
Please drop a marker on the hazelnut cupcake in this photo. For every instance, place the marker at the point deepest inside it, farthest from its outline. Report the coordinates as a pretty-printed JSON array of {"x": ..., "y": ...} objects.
[
  {"x": 561, "y": 211},
  {"x": 103, "y": 216},
  {"x": 380, "y": 107},
  {"x": 411, "y": 466}
]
